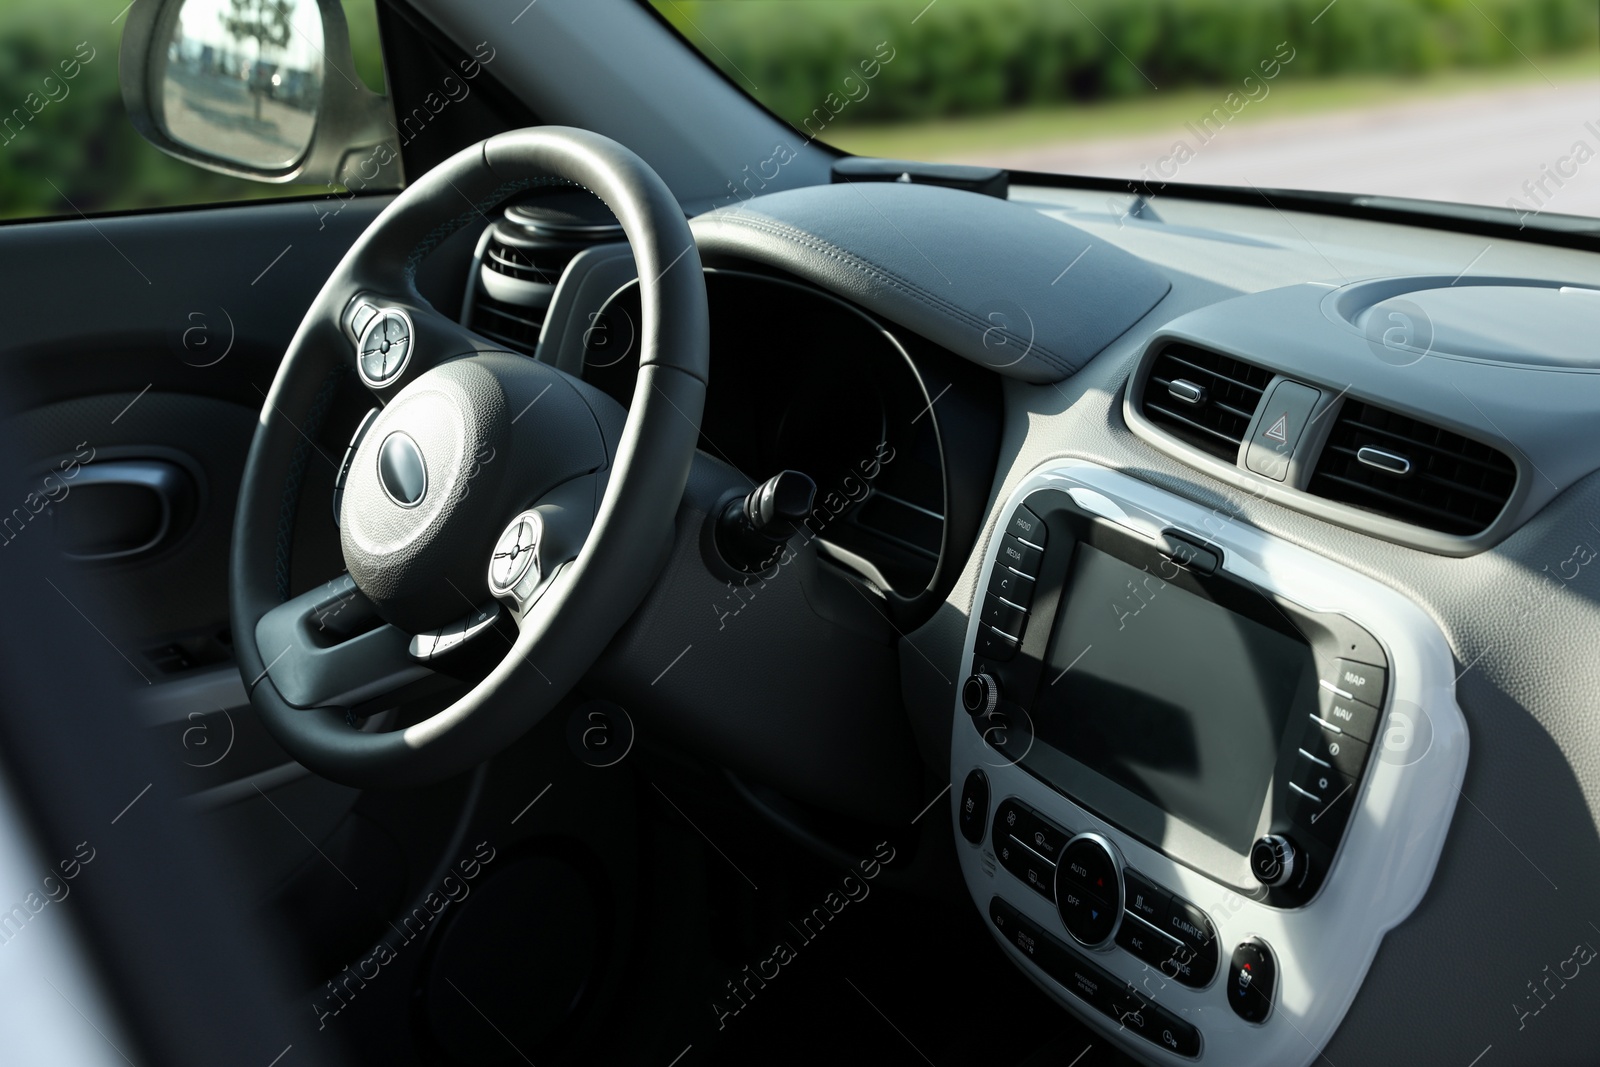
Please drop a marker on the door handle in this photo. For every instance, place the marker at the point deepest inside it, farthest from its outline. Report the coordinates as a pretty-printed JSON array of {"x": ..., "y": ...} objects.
[{"x": 122, "y": 509}]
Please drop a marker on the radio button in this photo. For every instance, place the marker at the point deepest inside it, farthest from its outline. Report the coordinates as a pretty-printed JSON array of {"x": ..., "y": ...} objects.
[
  {"x": 1007, "y": 583},
  {"x": 1025, "y": 524},
  {"x": 1348, "y": 716},
  {"x": 1005, "y": 617},
  {"x": 1019, "y": 556},
  {"x": 1362, "y": 681},
  {"x": 1145, "y": 899},
  {"x": 1340, "y": 751}
]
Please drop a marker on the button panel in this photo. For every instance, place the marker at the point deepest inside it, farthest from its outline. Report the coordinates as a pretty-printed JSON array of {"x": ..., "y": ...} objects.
[{"x": 1103, "y": 992}]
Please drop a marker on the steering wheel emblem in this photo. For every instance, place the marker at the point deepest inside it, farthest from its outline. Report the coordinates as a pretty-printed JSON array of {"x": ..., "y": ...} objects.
[
  {"x": 514, "y": 554},
  {"x": 385, "y": 347},
  {"x": 401, "y": 470}
]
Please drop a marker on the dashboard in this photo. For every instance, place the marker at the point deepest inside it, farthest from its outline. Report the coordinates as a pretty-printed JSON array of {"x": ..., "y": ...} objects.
[{"x": 1236, "y": 588}]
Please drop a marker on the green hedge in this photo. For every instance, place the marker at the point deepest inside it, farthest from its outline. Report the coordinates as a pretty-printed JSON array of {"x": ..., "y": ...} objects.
[{"x": 975, "y": 56}]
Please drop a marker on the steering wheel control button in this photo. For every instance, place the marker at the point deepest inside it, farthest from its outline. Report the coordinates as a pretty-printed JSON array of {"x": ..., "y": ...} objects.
[
  {"x": 1360, "y": 681},
  {"x": 402, "y": 471},
  {"x": 1089, "y": 890},
  {"x": 1284, "y": 415},
  {"x": 385, "y": 347},
  {"x": 1020, "y": 556},
  {"x": 361, "y": 317},
  {"x": 1009, "y": 585},
  {"x": 1252, "y": 976},
  {"x": 1025, "y": 526},
  {"x": 973, "y": 813},
  {"x": 1348, "y": 716},
  {"x": 979, "y": 694},
  {"x": 1273, "y": 858},
  {"x": 515, "y": 555}
]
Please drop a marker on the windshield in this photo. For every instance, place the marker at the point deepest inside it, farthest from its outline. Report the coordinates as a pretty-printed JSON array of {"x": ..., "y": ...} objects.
[{"x": 1482, "y": 102}]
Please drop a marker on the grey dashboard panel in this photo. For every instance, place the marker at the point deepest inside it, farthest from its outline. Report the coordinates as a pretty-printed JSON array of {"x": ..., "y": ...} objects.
[
  {"x": 995, "y": 282},
  {"x": 1334, "y": 338},
  {"x": 1477, "y": 964}
]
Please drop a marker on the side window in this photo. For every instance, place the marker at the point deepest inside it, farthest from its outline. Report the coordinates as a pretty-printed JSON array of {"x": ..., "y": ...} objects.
[{"x": 239, "y": 69}]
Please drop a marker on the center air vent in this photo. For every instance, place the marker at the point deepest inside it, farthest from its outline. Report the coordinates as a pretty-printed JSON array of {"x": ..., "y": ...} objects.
[
  {"x": 1409, "y": 470},
  {"x": 1204, "y": 398}
]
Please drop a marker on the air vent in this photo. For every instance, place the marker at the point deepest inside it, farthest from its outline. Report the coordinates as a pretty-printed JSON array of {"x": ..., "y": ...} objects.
[
  {"x": 1408, "y": 470},
  {"x": 515, "y": 263},
  {"x": 1203, "y": 397}
]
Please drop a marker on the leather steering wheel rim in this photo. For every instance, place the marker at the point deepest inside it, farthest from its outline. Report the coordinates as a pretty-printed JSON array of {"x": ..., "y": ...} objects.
[{"x": 619, "y": 559}]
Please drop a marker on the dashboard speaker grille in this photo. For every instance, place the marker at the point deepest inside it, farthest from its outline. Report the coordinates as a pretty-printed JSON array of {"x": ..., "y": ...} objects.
[
  {"x": 1451, "y": 483},
  {"x": 1203, "y": 397}
]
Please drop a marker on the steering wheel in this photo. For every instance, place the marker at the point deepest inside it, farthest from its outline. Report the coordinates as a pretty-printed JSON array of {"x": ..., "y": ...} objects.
[{"x": 493, "y": 506}]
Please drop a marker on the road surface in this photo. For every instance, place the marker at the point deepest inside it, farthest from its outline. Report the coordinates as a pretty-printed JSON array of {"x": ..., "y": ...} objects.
[{"x": 1474, "y": 148}]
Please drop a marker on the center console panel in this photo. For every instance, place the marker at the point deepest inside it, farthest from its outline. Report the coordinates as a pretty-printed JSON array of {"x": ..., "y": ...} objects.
[{"x": 1197, "y": 771}]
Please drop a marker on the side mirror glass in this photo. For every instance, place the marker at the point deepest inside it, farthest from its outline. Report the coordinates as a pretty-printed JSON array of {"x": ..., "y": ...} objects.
[
  {"x": 261, "y": 89},
  {"x": 243, "y": 79}
]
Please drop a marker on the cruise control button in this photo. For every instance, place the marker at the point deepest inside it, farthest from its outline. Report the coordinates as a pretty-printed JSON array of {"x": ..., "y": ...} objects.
[
  {"x": 1025, "y": 524},
  {"x": 1350, "y": 716},
  {"x": 974, "y": 811},
  {"x": 1019, "y": 556},
  {"x": 1362, "y": 681},
  {"x": 1145, "y": 899},
  {"x": 1007, "y": 583},
  {"x": 1340, "y": 751},
  {"x": 1005, "y": 617}
]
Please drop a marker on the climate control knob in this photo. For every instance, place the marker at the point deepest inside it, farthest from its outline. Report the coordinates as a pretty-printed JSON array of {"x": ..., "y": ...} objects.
[
  {"x": 980, "y": 694},
  {"x": 1272, "y": 860},
  {"x": 1089, "y": 889}
]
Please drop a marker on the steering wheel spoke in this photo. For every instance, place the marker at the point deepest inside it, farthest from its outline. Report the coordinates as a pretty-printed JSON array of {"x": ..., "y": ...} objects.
[{"x": 328, "y": 648}]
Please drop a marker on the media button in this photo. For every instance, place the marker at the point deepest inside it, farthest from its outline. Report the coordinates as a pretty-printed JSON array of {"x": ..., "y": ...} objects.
[{"x": 1020, "y": 556}]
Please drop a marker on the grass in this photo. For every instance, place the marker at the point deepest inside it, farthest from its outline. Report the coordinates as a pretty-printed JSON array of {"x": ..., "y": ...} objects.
[{"x": 1161, "y": 112}]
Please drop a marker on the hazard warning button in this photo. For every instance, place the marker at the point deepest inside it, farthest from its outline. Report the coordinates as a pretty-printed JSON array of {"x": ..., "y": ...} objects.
[{"x": 1283, "y": 419}]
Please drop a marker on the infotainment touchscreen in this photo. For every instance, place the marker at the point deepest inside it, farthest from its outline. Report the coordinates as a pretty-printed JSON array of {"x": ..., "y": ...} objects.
[{"x": 1176, "y": 698}]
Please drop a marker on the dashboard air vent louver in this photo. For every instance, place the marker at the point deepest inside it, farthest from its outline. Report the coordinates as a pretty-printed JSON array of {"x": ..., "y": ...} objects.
[
  {"x": 1203, "y": 397},
  {"x": 1397, "y": 466}
]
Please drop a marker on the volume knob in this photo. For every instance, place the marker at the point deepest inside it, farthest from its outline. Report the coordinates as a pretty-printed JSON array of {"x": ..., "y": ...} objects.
[
  {"x": 1272, "y": 859},
  {"x": 980, "y": 695}
]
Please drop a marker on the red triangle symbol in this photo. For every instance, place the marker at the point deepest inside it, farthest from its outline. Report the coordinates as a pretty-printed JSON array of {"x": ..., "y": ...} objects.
[{"x": 1279, "y": 431}]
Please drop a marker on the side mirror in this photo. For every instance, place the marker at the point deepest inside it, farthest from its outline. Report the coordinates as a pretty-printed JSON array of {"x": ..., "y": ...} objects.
[{"x": 260, "y": 89}]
